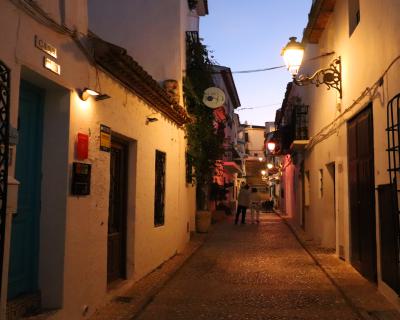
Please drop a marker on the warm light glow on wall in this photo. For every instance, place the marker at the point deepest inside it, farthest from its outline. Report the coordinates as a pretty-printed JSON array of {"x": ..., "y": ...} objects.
[{"x": 84, "y": 108}]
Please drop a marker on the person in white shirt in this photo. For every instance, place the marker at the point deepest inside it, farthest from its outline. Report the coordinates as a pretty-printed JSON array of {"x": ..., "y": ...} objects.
[{"x": 255, "y": 200}]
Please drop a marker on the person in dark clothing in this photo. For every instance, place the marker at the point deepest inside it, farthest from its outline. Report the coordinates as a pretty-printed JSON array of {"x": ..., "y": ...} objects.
[{"x": 243, "y": 203}]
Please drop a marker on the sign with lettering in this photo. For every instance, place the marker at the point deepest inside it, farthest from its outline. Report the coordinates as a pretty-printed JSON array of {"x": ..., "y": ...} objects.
[
  {"x": 45, "y": 47},
  {"x": 52, "y": 66},
  {"x": 105, "y": 138}
]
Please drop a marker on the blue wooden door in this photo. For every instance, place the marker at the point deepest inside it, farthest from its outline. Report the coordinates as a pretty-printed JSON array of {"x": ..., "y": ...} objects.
[{"x": 23, "y": 272}]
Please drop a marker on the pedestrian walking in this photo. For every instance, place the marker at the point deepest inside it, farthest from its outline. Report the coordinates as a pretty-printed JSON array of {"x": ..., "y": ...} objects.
[
  {"x": 243, "y": 203},
  {"x": 255, "y": 203}
]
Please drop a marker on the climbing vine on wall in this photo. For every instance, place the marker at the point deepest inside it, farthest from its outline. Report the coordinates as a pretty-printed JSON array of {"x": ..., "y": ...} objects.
[
  {"x": 192, "y": 4},
  {"x": 205, "y": 142}
]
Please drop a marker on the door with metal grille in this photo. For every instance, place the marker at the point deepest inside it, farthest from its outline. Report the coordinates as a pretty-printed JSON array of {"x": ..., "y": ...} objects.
[
  {"x": 4, "y": 145},
  {"x": 389, "y": 200}
]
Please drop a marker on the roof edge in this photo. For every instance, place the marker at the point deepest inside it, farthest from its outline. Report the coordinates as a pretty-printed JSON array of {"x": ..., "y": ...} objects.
[{"x": 115, "y": 61}]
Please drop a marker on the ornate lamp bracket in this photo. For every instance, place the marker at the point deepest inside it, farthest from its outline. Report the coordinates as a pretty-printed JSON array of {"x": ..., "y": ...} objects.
[{"x": 331, "y": 77}]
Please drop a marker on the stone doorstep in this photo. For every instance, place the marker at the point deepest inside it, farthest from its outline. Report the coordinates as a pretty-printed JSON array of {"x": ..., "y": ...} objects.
[
  {"x": 23, "y": 306},
  {"x": 27, "y": 307},
  {"x": 386, "y": 310},
  {"x": 41, "y": 316}
]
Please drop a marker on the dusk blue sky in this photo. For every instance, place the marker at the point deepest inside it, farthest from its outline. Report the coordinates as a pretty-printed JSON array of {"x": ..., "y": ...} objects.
[{"x": 250, "y": 34}]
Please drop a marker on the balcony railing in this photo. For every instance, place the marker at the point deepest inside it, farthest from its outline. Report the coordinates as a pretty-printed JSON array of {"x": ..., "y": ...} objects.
[
  {"x": 294, "y": 128},
  {"x": 192, "y": 37}
]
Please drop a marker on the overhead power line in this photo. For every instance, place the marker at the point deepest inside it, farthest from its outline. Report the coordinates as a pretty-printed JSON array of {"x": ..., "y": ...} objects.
[
  {"x": 259, "y": 107},
  {"x": 280, "y": 67},
  {"x": 258, "y": 70}
]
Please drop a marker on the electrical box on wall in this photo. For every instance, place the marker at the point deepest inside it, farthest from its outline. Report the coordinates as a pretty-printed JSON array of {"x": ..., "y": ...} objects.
[{"x": 81, "y": 173}]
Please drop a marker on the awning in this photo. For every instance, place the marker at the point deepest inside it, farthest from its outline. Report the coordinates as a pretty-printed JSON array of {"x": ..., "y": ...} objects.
[
  {"x": 299, "y": 145},
  {"x": 220, "y": 114},
  {"x": 232, "y": 167}
]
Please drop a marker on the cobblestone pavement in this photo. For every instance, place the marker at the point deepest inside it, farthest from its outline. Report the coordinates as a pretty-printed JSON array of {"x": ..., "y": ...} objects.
[{"x": 250, "y": 272}]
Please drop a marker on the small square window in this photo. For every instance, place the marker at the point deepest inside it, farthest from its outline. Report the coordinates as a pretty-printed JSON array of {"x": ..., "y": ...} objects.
[{"x": 354, "y": 15}]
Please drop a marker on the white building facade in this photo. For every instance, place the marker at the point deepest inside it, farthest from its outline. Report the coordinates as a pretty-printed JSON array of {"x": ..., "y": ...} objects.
[
  {"x": 224, "y": 120},
  {"x": 103, "y": 199},
  {"x": 346, "y": 199}
]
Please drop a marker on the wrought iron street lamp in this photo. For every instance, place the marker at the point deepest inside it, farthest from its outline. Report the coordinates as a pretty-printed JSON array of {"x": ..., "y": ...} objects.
[
  {"x": 293, "y": 54},
  {"x": 271, "y": 146}
]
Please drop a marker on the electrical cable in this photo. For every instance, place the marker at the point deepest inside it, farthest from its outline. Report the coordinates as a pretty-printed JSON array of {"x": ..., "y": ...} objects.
[
  {"x": 332, "y": 127},
  {"x": 36, "y": 12},
  {"x": 277, "y": 67},
  {"x": 257, "y": 70},
  {"x": 259, "y": 107}
]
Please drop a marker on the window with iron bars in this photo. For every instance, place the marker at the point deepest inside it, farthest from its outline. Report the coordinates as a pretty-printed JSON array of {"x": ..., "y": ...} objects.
[
  {"x": 159, "y": 194},
  {"x": 301, "y": 122}
]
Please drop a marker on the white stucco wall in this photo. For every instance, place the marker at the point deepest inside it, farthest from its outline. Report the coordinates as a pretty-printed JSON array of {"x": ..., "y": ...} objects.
[
  {"x": 81, "y": 273},
  {"x": 365, "y": 57},
  {"x": 256, "y": 140}
]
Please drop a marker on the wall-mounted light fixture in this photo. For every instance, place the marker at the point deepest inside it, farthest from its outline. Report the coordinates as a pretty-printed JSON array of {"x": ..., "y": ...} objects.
[
  {"x": 260, "y": 159},
  {"x": 270, "y": 166},
  {"x": 151, "y": 118},
  {"x": 87, "y": 92},
  {"x": 263, "y": 172},
  {"x": 293, "y": 54}
]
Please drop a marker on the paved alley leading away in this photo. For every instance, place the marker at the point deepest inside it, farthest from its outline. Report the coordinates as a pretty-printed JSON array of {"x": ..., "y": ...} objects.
[{"x": 250, "y": 272}]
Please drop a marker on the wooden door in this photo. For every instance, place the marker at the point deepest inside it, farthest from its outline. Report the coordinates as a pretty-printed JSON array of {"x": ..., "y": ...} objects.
[
  {"x": 24, "y": 250},
  {"x": 116, "y": 255},
  {"x": 362, "y": 194}
]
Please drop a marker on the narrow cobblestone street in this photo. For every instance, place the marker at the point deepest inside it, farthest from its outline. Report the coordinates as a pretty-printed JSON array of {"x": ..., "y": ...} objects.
[{"x": 250, "y": 272}]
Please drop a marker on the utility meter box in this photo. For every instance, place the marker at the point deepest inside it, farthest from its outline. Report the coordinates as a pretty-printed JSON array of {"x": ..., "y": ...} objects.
[{"x": 12, "y": 195}]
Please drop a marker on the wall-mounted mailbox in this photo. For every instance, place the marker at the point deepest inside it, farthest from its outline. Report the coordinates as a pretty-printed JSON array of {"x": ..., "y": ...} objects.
[{"x": 81, "y": 173}]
